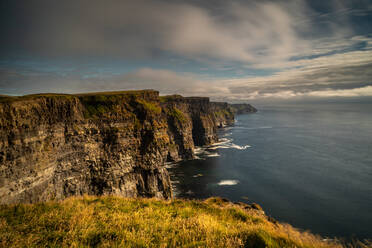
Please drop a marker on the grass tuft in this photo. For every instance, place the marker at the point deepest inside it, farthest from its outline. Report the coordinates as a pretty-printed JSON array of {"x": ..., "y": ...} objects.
[
  {"x": 177, "y": 115},
  {"x": 150, "y": 106}
]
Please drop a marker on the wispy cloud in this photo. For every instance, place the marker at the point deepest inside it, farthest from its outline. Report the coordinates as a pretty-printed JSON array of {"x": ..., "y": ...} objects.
[{"x": 248, "y": 32}]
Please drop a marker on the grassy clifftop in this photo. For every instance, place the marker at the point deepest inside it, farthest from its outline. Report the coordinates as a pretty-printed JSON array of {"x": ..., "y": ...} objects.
[{"x": 121, "y": 222}]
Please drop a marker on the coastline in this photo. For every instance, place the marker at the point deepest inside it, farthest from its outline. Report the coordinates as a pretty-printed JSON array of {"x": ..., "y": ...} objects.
[
  {"x": 297, "y": 169},
  {"x": 103, "y": 143},
  {"x": 205, "y": 152}
]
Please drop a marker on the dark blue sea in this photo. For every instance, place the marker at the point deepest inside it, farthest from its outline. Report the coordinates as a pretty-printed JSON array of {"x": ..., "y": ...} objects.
[{"x": 309, "y": 165}]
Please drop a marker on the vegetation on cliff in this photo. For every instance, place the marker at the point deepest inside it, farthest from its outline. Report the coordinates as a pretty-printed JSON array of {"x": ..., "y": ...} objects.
[
  {"x": 53, "y": 146},
  {"x": 123, "y": 222},
  {"x": 151, "y": 107},
  {"x": 177, "y": 114}
]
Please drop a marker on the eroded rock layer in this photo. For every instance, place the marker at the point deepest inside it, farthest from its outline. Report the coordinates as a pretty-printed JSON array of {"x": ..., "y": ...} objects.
[{"x": 54, "y": 146}]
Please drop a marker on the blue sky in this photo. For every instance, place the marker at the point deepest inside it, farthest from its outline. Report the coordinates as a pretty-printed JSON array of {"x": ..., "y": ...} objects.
[{"x": 228, "y": 50}]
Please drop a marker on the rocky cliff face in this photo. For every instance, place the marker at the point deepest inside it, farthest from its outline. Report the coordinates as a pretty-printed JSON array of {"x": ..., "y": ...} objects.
[{"x": 54, "y": 146}]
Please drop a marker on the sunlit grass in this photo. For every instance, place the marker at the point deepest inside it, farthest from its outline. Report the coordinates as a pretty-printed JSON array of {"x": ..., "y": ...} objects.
[{"x": 121, "y": 222}]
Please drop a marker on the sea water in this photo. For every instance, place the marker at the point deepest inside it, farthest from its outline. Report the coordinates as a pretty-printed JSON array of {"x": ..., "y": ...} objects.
[{"x": 309, "y": 165}]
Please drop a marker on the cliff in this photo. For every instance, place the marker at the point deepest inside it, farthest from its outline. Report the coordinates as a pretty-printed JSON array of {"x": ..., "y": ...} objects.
[
  {"x": 53, "y": 146},
  {"x": 243, "y": 108}
]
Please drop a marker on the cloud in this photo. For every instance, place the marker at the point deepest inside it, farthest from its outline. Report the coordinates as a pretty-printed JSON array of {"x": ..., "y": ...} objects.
[
  {"x": 329, "y": 76},
  {"x": 314, "y": 54},
  {"x": 168, "y": 82},
  {"x": 259, "y": 34},
  {"x": 245, "y": 32},
  {"x": 290, "y": 94},
  {"x": 320, "y": 78},
  {"x": 356, "y": 92}
]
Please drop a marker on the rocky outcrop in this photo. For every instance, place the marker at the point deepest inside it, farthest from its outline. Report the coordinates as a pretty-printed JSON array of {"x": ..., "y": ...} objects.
[
  {"x": 54, "y": 146},
  {"x": 243, "y": 108},
  {"x": 224, "y": 113}
]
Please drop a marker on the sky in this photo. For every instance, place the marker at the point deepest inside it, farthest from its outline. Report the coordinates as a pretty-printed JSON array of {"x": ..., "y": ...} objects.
[{"x": 234, "y": 51}]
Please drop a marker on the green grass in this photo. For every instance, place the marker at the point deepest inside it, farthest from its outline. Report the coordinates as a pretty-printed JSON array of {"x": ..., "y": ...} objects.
[
  {"x": 121, "y": 222},
  {"x": 98, "y": 104},
  {"x": 222, "y": 113},
  {"x": 111, "y": 93},
  {"x": 177, "y": 114},
  {"x": 5, "y": 98},
  {"x": 150, "y": 106},
  {"x": 103, "y": 96}
]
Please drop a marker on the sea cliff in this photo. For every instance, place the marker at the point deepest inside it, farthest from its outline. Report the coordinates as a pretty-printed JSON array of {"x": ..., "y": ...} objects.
[
  {"x": 53, "y": 146},
  {"x": 243, "y": 108}
]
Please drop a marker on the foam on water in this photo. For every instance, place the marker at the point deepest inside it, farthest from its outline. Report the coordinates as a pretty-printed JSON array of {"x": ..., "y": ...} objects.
[
  {"x": 219, "y": 147},
  {"x": 169, "y": 165},
  {"x": 227, "y": 134},
  {"x": 240, "y": 147},
  {"x": 327, "y": 151},
  {"x": 198, "y": 150},
  {"x": 226, "y": 143},
  {"x": 228, "y": 182},
  {"x": 203, "y": 153},
  {"x": 211, "y": 155}
]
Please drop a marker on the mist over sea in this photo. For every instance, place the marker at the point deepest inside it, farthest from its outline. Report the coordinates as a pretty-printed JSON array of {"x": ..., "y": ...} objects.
[{"x": 306, "y": 164}]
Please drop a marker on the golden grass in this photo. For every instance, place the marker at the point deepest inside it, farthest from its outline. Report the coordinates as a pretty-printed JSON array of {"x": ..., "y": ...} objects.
[
  {"x": 7, "y": 98},
  {"x": 120, "y": 222}
]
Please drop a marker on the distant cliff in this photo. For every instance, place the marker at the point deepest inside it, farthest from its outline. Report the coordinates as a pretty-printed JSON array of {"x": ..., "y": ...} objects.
[
  {"x": 53, "y": 145},
  {"x": 243, "y": 108}
]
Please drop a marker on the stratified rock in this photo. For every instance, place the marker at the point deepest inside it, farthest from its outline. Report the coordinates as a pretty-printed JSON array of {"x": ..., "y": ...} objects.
[{"x": 53, "y": 146}]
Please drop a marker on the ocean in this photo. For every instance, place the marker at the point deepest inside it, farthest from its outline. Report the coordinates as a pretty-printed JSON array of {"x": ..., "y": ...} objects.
[{"x": 309, "y": 165}]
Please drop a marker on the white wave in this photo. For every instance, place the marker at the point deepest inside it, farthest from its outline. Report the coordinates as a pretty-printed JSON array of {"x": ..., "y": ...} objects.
[
  {"x": 226, "y": 143},
  {"x": 201, "y": 153},
  {"x": 222, "y": 141},
  {"x": 228, "y": 182},
  {"x": 199, "y": 156},
  {"x": 240, "y": 147},
  {"x": 169, "y": 165},
  {"x": 211, "y": 155},
  {"x": 198, "y": 150},
  {"x": 227, "y": 135},
  {"x": 218, "y": 147}
]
